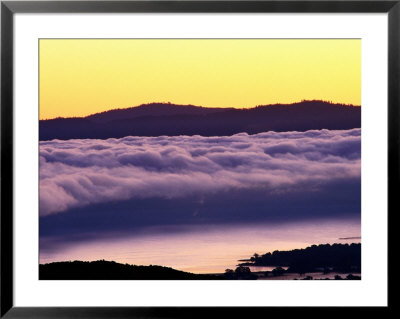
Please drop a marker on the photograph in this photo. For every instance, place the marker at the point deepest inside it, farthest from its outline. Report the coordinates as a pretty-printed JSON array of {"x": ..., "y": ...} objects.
[{"x": 199, "y": 159}]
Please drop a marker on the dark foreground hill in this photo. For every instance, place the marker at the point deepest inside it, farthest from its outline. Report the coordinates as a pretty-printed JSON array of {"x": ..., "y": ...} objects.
[
  {"x": 110, "y": 270},
  {"x": 168, "y": 119},
  {"x": 336, "y": 257}
]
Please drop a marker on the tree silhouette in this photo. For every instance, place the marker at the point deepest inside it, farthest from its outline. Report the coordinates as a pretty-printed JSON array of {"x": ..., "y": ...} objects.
[{"x": 278, "y": 271}]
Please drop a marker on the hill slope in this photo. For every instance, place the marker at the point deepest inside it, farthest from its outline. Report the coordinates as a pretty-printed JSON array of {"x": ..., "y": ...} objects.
[
  {"x": 170, "y": 119},
  {"x": 340, "y": 257},
  {"x": 110, "y": 270}
]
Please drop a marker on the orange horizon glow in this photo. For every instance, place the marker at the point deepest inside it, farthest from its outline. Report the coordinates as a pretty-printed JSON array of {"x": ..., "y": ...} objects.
[{"x": 80, "y": 77}]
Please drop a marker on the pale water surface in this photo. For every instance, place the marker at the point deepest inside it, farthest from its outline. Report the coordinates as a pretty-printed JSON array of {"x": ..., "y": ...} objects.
[{"x": 206, "y": 249}]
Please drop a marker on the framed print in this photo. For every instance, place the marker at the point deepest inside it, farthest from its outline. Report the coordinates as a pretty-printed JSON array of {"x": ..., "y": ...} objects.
[{"x": 166, "y": 157}]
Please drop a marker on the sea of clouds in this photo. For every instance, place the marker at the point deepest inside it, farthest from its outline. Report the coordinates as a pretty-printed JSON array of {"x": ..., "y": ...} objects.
[{"x": 83, "y": 172}]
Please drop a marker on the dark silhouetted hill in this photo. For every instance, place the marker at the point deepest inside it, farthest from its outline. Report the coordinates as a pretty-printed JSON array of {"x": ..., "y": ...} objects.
[
  {"x": 110, "y": 270},
  {"x": 336, "y": 257},
  {"x": 169, "y": 119},
  {"x": 152, "y": 109}
]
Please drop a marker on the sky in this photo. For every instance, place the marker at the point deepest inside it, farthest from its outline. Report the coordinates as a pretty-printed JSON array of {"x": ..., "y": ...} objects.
[
  {"x": 117, "y": 192},
  {"x": 79, "y": 77}
]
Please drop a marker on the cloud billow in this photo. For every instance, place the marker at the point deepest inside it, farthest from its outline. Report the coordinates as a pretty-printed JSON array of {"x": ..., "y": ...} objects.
[{"x": 83, "y": 172}]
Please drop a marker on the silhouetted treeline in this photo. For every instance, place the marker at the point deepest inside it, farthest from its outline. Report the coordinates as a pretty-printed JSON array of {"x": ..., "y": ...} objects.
[
  {"x": 169, "y": 119},
  {"x": 326, "y": 258},
  {"x": 337, "y": 277},
  {"x": 241, "y": 272},
  {"x": 110, "y": 270}
]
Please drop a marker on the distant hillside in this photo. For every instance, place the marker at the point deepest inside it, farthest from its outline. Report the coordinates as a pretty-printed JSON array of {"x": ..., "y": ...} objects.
[
  {"x": 170, "y": 119},
  {"x": 153, "y": 109},
  {"x": 110, "y": 270},
  {"x": 338, "y": 257}
]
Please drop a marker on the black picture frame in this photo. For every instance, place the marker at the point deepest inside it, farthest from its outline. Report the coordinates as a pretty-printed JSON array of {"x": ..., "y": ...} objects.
[{"x": 9, "y": 8}]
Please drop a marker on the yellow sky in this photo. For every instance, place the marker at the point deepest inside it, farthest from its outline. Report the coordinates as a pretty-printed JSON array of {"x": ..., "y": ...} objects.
[{"x": 82, "y": 77}]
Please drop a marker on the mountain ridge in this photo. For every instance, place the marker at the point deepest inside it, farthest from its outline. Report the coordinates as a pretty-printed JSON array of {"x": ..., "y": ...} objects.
[
  {"x": 155, "y": 119},
  {"x": 204, "y": 109},
  {"x": 111, "y": 270}
]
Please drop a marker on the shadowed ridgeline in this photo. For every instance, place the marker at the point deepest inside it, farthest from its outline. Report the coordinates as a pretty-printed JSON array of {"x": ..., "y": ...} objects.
[
  {"x": 110, "y": 270},
  {"x": 336, "y": 257},
  {"x": 327, "y": 258},
  {"x": 157, "y": 119}
]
